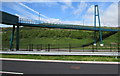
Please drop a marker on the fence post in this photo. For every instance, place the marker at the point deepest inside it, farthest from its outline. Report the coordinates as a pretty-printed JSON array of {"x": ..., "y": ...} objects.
[
  {"x": 96, "y": 48},
  {"x": 92, "y": 48},
  {"x": 37, "y": 47},
  {"x": 29, "y": 46},
  {"x": 58, "y": 47},
  {"x": 48, "y": 47},
  {"x": 118, "y": 47},
  {"x": 41, "y": 46},
  {"x": 69, "y": 47},
  {"x": 26, "y": 47},
  {"x": 12, "y": 48},
  {"x": 83, "y": 48},
  {"x": 110, "y": 48},
  {"x": 32, "y": 47}
]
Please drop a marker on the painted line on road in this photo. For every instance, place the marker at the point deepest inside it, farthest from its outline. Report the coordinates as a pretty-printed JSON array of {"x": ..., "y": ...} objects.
[
  {"x": 4, "y": 72},
  {"x": 61, "y": 61}
]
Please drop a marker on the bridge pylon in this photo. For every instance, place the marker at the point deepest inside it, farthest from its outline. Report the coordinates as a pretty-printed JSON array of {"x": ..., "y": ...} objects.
[
  {"x": 12, "y": 37},
  {"x": 96, "y": 14},
  {"x": 17, "y": 37}
]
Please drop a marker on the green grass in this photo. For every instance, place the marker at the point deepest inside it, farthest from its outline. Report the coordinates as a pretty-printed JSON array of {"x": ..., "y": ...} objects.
[
  {"x": 62, "y": 42},
  {"x": 72, "y": 58},
  {"x": 112, "y": 39},
  {"x": 54, "y": 41},
  {"x": 64, "y": 37}
]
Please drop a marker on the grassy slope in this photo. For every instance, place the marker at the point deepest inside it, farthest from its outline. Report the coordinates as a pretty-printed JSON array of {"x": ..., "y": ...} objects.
[
  {"x": 58, "y": 40},
  {"x": 55, "y": 41},
  {"x": 55, "y": 36},
  {"x": 112, "y": 39}
]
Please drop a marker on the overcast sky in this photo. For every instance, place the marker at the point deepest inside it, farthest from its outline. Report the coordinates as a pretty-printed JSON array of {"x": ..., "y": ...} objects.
[{"x": 65, "y": 12}]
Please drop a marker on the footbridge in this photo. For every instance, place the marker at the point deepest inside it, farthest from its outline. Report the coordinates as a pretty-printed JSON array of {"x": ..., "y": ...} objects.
[{"x": 10, "y": 19}]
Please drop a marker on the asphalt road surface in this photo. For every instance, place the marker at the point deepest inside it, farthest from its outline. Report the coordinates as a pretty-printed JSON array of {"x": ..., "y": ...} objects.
[{"x": 41, "y": 67}]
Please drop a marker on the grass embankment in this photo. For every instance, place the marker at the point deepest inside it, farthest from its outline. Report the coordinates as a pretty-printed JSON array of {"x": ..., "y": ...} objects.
[
  {"x": 35, "y": 35},
  {"x": 72, "y": 58}
]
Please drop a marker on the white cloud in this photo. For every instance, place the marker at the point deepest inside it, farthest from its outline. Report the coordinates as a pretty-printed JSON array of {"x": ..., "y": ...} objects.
[
  {"x": 50, "y": 4},
  {"x": 81, "y": 7},
  {"x": 88, "y": 17},
  {"x": 64, "y": 8},
  {"x": 91, "y": 9},
  {"x": 67, "y": 4},
  {"x": 110, "y": 16}
]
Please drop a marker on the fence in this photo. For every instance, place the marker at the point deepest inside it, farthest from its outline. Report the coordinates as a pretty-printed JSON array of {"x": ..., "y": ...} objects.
[{"x": 66, "y": 48}]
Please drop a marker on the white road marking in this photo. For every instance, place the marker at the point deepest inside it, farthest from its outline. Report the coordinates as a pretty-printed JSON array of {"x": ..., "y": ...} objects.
[
  {"x": 63, "y": 61},
  {"x": 4, "y": 72}
]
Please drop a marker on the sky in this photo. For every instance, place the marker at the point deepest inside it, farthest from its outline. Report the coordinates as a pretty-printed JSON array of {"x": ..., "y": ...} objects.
[{"x": 76, "y": 13}]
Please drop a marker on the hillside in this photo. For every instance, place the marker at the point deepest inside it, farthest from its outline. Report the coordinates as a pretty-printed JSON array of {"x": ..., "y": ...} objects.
[{"x": 35, "y": 35}]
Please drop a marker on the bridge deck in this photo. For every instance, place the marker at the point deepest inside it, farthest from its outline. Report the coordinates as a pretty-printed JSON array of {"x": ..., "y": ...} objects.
[
  {"x": 62, "y": 26},
  {"x": 14, "y": 20}
]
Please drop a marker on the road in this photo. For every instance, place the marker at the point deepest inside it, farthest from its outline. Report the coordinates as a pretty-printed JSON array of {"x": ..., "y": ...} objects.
[{"x": 42, "y": 67}]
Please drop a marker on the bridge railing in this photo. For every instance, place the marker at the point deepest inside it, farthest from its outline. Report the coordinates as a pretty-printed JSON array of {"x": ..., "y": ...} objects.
[
  {"x": 29, "y": 21},
  {"x": 60, "y": 25}
]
